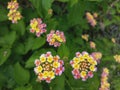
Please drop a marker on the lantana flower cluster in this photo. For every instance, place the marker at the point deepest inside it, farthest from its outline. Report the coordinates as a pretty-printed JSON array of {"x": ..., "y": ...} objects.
[
  {"x": 117, "y": 58},
  {"x": 48, "y": 66},
  {"x": 104, "y": 80},
  {"x": 92, "y": 45},
  {"x": 14, "y": 15},
  {"x": 37, "y": 26},
  {"x": 97, "y": 56},
  {"x": 91, "y": 18},
  {"x": 83, "y": 66},
  {"x": 55, "y": 38},
  {"x": 85, "y": 37}
]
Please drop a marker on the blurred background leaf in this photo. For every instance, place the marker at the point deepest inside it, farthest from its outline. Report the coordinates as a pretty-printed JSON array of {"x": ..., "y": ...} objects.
[{"x": 21, "y": 75}]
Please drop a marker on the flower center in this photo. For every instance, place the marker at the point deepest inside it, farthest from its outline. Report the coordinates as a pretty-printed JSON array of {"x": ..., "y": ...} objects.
[
  {"x": 84, "y": 66},
  {"x": 47, "y": 66}
]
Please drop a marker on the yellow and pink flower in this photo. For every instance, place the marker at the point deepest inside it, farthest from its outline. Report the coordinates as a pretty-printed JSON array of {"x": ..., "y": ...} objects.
[
  {"x": 92, "y": 45},
  {"x": 97, "y": 56},
  {"x": 85, "y": 37},
  {"x": 14, "y": 15},
  {"x": 117, "y": 58},
  {"x": 37, "y": 26},
  {"x": 13, "y": 5},
  {"x": 105, "y": 85},
  {"x": 55, "y": 38},
  {"x": 83, "y": 66},
  {"x": 91, "y": 18},
  {"x": 48, "y": 66}
]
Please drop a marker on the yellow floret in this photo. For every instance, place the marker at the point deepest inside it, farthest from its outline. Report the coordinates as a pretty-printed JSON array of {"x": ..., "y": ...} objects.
[
  {"x": 94, "y": 62},
  {"x": 51, "y": 74},
  {"x": 52, "y": 40},
  {"x": 76, "y": 60},
  {"x": 56, "y": 64},
  {"x": 59, "y": 39},
  {"x": 92, "y": 68},
  {"x": 90, "y": 60},
  {"x": 81, "y": 58},
  {"x": 50, "y": 59},
  {"x": 83, "y": 74},
  {"x": 38, "y": 69},
  {"x": 106, "y": 70},
  {"x": 42, "y": 59},
  {"x": 85, "y": 56},
  {"x": 76, "y": 66},
  {"x": 45, "y": 74}
]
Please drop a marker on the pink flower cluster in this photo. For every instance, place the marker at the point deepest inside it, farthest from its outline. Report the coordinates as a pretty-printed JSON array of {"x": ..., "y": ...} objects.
[
  {"x": 13, "y": 15},
  {"x": 97, "y": 56},
  {"x": 91, "y": 18},
  {"x": 37, "y": 26},
  {"x": 56, "y": 38},
  {"x": 48, "y": 66},
  {"x": 83, "y": 66},
  {"x": 104, "y": 80},
  {"x": 13, "y": 5}
]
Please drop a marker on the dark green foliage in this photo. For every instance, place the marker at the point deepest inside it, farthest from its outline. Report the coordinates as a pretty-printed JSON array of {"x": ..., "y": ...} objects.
[{"x": 19, "y": 48}]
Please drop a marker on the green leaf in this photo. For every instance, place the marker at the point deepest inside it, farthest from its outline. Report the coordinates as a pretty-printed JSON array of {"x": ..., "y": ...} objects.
[
  {"x": 38, "y": 5},
  {"x": 34, "y": 43},
  {"x": 37, "y": 86},
  {"x": 64, "y": 0},
  {"x": 30, "y": 61},
  {"x": 38, "y": 42},
  {"x": 4, "y": 54},
  {"x": 96, "y": 0},
  {"x": 28, "y": 44},
  {"x": 21, "y": 75},
  {"x": 29, "y": 13},
  {"x": 73, "y": 2},
  {"x": 76, "y": 12},
  {"x": 52, "y": 24},
  {"x": 3, "y": 14},
  {"x": 29, "y": 87},
  {"x": 47, "y": 4},
  {"x": 115, "y": 83},
  {"x": 59, "y": 83},
  {"x": 76, "y": 18},
  {"x": 4, "y": 29},
  {"x": 42, "y": 6},
  {"x": 19, "y": 27},
  {"x": 19, "y": 48},
  {"x": 2, "y": 79},
  {"x": 93, "y": 83},
  {"x": 8, "y": 39},
  {"x": 63, "y": 51}
]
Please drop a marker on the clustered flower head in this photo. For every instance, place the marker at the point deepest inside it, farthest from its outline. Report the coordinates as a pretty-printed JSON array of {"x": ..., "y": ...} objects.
[
  {"x": 97, "y": 56},
  {"x": 83, "y": 66},
  {"x": 104, "y": 80},
  {"x": 48, "y": 66},
  {"x": 85, "y": 37},
  {"x": 37, "y": 26},
  {"x": 56, "y": 38},
  {"x": 117, "y": 58},
  {"x": 92, "y": 45},
  {"x": 91, "y": 18},
  {"x": 14, "y": 15}
]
